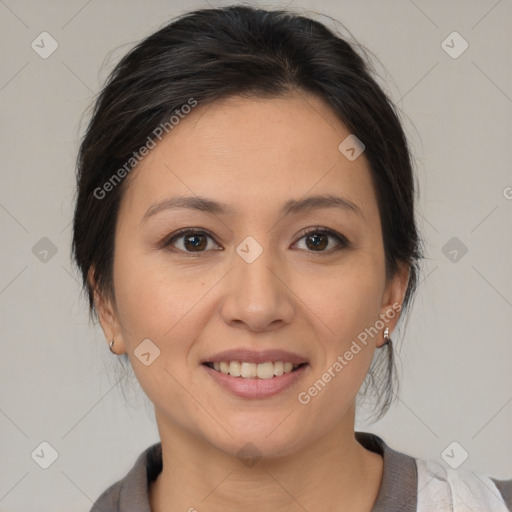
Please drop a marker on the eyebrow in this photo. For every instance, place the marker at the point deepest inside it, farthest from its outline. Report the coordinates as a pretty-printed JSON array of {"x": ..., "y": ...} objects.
[{"x": 292, "y": 206}]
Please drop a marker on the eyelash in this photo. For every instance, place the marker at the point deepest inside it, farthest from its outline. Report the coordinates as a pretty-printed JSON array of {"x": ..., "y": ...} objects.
[{"x": 342, "y": 240}]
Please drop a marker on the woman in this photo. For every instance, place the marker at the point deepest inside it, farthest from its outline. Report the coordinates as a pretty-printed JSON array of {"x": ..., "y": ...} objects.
[{"x": 245, "y": 231}]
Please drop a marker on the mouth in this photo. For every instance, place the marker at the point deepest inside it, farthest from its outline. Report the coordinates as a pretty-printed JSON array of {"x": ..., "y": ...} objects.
[
  {"x": 255, "y": 376},
  {"x": 248, "y": 370}
]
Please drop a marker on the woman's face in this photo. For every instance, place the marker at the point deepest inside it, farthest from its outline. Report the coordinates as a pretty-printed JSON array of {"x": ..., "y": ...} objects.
[{"x": 248, "y": 279}]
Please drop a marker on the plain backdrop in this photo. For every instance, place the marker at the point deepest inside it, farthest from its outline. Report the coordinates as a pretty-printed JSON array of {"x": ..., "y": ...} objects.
[{"x": 58, "y": 378}]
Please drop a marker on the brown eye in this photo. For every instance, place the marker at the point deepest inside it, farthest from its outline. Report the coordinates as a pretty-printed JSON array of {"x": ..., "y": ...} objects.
[
  {"x": 195, "y": 242},
  {"x": 190, "y": 240},
  {"x": 317, "y": 239}
]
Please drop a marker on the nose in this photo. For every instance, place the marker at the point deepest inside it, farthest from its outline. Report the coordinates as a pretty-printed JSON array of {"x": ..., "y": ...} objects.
[{"x": 258, "y": 295}]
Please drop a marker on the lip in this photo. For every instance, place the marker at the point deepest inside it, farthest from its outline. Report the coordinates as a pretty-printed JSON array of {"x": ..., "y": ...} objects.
[
  {"x": 255, "y": 356},
  {"x": 256, "y": 388}
]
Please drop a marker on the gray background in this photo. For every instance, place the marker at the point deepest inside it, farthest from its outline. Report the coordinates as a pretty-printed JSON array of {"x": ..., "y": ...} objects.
[{"x": 59, "y": 381}]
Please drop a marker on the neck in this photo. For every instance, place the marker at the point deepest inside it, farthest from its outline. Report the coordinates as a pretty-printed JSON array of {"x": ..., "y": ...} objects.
[{"x": 335, "y": 472}]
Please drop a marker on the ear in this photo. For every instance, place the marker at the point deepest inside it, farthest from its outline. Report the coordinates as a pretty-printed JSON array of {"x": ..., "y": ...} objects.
[
  {"x": 108, "y": 316},
  {"x": 393, "y": 297}
]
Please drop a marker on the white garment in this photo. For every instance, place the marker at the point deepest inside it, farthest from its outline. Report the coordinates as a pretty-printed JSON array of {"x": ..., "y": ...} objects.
[{"x": 442, "y": 489}]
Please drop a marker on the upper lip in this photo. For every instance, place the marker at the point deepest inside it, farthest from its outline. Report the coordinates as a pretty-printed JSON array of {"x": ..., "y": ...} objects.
[{"x": 255, "y": 356}]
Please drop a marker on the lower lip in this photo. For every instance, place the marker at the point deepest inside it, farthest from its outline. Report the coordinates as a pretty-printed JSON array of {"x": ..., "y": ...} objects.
[{"x": 254, "y": 387}]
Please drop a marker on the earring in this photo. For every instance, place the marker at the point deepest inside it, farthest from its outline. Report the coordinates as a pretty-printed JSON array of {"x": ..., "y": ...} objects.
[
  {"x": 111, "y": 346},
  {"x": 387, "y": 338}
]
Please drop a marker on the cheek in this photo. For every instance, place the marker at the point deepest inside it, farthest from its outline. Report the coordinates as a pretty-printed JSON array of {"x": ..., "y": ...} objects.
[
  {"x": 348, "y": 305},
  {"x": 346, "y": 298},
  {"x": 165, "y": 305},
  {"x": 159, "y": 304},
  {"x": 154, "y": 298}
]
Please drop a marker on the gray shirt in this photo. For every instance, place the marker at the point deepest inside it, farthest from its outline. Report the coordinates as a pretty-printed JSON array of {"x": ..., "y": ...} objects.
[{"x": 398, "y": 491}]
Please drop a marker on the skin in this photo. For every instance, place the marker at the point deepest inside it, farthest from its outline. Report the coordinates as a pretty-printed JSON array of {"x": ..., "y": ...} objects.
[{"x": 254, "y": 155}]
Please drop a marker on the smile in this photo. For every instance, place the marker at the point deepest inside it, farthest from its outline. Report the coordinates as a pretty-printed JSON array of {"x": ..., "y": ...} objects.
[
  {"x": 255, "y": 380},
  {"x": 246, "y": 370}
]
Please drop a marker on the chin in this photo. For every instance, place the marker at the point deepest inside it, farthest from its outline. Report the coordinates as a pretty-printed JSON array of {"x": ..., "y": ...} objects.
[{"x": 257, "y": 436}]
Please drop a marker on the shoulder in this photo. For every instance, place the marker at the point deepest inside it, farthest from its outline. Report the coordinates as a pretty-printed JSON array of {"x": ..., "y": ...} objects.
[
  {"x": 505, "y": 488},
  {"x": 130, "y": 493},
  {"x": 109, "y": 498},
  {"x": 456, "y": 489},
  {"x": 416, "y": 485}
]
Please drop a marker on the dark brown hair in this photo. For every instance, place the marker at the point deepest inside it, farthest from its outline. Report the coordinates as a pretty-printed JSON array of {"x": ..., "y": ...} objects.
[{"x": 210, "y": 54}]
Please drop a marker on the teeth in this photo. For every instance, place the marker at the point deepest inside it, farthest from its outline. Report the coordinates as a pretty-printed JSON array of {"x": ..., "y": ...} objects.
[
  {"x": 265, "y": 370},
  {"x": 235, "y": 369},
  {"x": 251, "y": 370},
  {"x": 248, "y": 370}
]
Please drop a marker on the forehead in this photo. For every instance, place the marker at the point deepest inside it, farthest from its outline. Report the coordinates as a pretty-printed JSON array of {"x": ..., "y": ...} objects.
[{"x": 253, "y": 154}]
